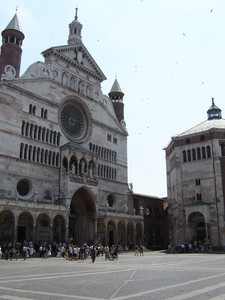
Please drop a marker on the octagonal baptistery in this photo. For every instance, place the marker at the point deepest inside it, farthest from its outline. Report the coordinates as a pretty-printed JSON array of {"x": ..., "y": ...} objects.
[{"x": 195, "y": 163}]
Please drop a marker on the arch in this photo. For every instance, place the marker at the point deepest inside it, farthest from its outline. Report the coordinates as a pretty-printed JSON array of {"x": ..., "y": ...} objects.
[
  {"x": 189, "y": 155},
  {"x": 82, "y": 216},
  {"x": 138, "y": 236},
  {"x": 43, "y": 227},
  {"x": 23, "y": 127},
  {"x": 130, "y": 236},
  {"x": 121, "y": 233},
  {"x": 208, "y": 151},
  {"x": 184, "y": 156},
  {"x": 21, "y": 150},
  {"x": 203, "y": 153},
  {"x": 198, "y": 153},
  {"x": 7, "y": 221},
  {"x": 25, "y": 227},
  {"x": 193, "y": 154},
  {"x": 59, "y": 228},
  {"x": 82, "y": 166},
  {"x": 111, "y": 234},
  {"x": 197, "y": 227}
]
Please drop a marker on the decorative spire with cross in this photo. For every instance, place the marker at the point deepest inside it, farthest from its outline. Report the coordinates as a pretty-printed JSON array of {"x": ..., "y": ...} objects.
[
  {"x": 76, "y": 17},
  {"x": 75, "y": 29}
]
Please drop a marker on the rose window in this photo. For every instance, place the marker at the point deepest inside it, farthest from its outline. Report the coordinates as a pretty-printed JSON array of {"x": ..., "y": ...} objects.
[{"x": 74, "y": 121}]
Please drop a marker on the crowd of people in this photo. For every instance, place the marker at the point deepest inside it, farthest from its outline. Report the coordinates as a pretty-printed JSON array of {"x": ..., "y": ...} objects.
[
  {"x": 200, "y": 247},
  {"x": 68, "y": 251}
]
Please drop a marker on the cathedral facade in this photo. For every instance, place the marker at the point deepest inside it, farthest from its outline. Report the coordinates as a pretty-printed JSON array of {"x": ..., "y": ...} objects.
[
  {"x": 195, "y": 162},
  {"x": 63, "y": 154}
]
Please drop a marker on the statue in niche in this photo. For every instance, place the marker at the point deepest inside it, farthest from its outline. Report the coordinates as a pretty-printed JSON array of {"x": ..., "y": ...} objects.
[
  {"x": 81, "y": 88},
  {"x": 82, "y": 166},
  {"x": 64, "y": 79},
  {"x": 72, "y": 83},
  {"x": 141, "y": 211},
  {"x": 88, "y": 91},
  {"x": 90, "y": 172},
  {"x": 73, "y": 169},
  {"x": 125, "y": 208}
]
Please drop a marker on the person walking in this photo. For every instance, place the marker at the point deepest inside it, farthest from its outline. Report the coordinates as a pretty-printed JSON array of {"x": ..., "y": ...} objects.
[
  {"x": 106, "y": 250},
  {"x": 136, "y": 250},
  {"x": 24, "y": 251},
  {"x": 93, "y": 253}
]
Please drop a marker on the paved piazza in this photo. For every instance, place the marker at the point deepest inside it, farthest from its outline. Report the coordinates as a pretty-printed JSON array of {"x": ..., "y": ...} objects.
[{"x": 152, "y": 276}]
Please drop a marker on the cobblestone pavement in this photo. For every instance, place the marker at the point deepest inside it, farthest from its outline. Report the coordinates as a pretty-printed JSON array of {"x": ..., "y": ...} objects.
[{"x": 152, "y": 276}]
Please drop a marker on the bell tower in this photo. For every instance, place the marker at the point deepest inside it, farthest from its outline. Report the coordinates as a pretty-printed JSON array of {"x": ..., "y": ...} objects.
[
  {"x": 116, "y": 96},
  {"x": 75, "y": 29},
  {"x": 11, "y": 50}
]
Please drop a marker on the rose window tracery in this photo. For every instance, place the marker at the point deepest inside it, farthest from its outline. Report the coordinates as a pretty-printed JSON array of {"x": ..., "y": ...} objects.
[{"x": 75, "y": 121}]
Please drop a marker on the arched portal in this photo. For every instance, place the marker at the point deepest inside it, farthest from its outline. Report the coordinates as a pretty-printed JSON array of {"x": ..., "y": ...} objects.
[
  {"x": 43, "y": 229},
  {"x": 197, "y": 228},
  {"x": 111, "y": 233},
  {"x": 121, "y": 233},
  {"x": 138, "y": 237},
  {"x": 82, "y": 218},
  {"x": 59, "y": 228},
  {"x": 25, "y": 227},
  {"x": 130, "y": 235},
  {"x": 7, "y": 226}
]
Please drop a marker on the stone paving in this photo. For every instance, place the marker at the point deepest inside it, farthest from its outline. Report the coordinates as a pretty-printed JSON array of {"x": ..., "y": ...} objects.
[{"x": 153, "y": 276}]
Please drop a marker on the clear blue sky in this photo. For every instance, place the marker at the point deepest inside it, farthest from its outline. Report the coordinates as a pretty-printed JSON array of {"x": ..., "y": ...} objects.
[{"x": 169, "y": 57}]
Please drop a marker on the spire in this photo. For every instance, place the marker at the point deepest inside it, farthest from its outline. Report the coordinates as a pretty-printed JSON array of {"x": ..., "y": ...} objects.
[
  {"x": 214, "y": 112},
  {"x": 14, "y": 24},
  {"x": 76, "y": 17},
  {"x": 116, "y": 95},
  {"x": 75, "y": 29}
]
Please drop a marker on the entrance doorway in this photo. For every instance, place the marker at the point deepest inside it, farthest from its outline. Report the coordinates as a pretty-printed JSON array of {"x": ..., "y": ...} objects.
[
  {"x": 82, "y": 217},
  {"x": 22, "y": 233}
]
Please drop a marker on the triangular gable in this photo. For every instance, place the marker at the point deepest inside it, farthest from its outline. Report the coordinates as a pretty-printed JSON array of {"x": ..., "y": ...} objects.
[{"x": 78, "y": 57}]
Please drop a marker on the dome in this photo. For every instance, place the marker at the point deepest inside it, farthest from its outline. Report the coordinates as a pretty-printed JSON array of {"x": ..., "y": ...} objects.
[{"x": 37, "y": 70}]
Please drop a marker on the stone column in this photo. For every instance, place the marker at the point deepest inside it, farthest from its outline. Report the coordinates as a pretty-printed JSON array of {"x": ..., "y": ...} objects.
[
  {"x": 142, "y": 234},
  {"x": 96, "y": 228},
  {"x": 34, "y": 232},
  {"x": 206, "y": 231},
  {"x": 135, "y": 234},
  {"x": 125, "y": 237},
  {"x": 51, "y": 232},
  {"x": 116, "y": 232},
  {"x": 106, "y": 231},
  {"x": 15, "y": 237},
  {"x": 66, "y": 232}
]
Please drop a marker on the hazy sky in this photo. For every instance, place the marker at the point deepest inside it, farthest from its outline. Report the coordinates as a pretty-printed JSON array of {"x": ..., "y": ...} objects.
[{"x": 169, "y": 57}]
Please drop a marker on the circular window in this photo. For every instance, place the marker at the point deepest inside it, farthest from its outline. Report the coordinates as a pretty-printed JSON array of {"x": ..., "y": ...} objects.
[
  {"x": 188, "y": 141},
  {"x": 23, "y": 188},
  {"x": 110, "y": 200},
  {"x": 75, "y": 121}
]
